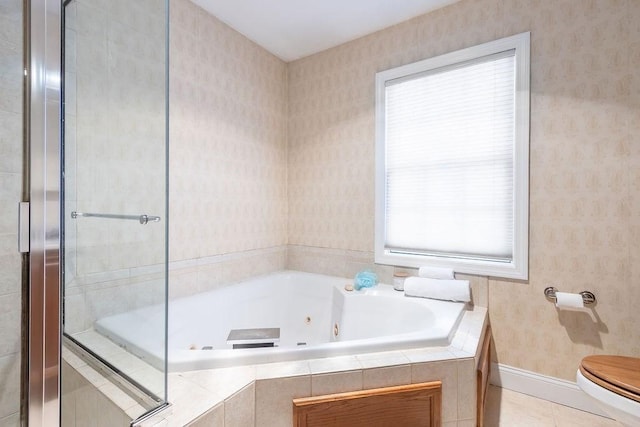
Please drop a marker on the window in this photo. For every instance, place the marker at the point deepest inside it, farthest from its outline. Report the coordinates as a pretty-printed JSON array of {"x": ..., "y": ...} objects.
[{"x": 452, "y": 161}]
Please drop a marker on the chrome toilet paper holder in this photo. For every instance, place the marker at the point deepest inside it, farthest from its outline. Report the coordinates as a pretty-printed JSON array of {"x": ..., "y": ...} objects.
[{"x": 587, "y": 296}]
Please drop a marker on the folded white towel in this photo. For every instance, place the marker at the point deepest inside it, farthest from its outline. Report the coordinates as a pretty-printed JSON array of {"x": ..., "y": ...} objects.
[
  {"x": 449, "y": 290},
  {"x": 436, "y": 272}
]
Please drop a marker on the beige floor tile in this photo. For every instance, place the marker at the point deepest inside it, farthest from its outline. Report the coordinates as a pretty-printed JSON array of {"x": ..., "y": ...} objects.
[
  {"x": 569, "y": 417},
  {"x": 506, "y": 408}
]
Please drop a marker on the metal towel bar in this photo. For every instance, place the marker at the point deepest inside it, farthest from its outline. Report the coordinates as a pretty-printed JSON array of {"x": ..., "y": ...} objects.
[{"x": 143, "y": 219}]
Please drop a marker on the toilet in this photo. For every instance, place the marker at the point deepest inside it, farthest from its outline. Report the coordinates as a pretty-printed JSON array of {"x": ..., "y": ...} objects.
[{"x": 614, "y": 383}]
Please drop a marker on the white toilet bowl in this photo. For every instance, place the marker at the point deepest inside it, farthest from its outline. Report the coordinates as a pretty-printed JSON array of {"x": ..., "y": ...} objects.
[{"x": 625, "y": 410}]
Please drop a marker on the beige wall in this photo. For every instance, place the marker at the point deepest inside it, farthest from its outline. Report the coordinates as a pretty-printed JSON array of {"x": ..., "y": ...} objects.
[
  {"x": 228, "y": 139},
  {"x": 10, "y": 188},
  {"x": 228, "y": 151},
  {"x": 585, "y": 158},
  {"x": 585, "y": 183}
]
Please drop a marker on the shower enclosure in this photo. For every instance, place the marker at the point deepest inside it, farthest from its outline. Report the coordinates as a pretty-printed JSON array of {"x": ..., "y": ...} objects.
[{"x": 114, "y": 191}]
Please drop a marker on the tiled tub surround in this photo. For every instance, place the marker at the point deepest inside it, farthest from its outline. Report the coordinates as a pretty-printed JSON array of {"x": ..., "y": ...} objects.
[
  {"x": 261, "y": 395},
  {"x": 193, "y": 276}
]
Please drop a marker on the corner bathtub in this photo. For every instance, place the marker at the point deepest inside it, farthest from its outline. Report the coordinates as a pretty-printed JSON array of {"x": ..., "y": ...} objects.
[{"x": 317, "y": 318}]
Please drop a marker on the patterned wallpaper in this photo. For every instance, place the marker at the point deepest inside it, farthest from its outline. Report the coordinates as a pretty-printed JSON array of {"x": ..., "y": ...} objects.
[
  {"x": 10, "y": 195},
  {"x": 228, "y": 150},
  {"x": 584, "y": 186},
  {"x": 585, "y": 153}
]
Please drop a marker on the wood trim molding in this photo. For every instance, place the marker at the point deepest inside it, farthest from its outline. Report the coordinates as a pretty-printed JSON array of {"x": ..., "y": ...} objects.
[
  {"x": 413, "y": 405},
  {"x": 482, "y": 376}
]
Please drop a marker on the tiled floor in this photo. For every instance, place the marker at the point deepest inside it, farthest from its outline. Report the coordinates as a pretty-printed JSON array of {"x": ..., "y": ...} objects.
[{"x": 506, "y": 408}]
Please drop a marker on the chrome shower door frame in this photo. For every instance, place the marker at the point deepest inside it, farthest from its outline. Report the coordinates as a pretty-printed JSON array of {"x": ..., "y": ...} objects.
[{"x": 43, "y": 103}]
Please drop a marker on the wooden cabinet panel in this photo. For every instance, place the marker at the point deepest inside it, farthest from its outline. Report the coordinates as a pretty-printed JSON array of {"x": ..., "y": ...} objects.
[{"x": 415, "y": 405}]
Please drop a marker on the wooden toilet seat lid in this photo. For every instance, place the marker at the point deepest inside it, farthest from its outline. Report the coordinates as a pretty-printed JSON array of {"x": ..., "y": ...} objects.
[{"x": 619, "y": 374}]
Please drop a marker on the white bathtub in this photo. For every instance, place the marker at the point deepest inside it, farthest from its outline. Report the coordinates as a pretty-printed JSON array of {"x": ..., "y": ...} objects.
[{"x": 316, "y": 317}]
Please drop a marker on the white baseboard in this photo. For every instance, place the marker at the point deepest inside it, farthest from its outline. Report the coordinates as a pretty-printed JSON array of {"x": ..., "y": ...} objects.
[{"x": 555, "y": 390}]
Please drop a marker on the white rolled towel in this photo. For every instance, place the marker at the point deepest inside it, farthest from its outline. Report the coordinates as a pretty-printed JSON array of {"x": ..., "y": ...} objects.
[
  {"x": 436, "y": 272},
  {"x": 449, "y": 290}
]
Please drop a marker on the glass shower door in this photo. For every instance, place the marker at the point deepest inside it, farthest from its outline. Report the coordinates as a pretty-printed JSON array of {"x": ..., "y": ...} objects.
[{"x": 115, "y": 192}]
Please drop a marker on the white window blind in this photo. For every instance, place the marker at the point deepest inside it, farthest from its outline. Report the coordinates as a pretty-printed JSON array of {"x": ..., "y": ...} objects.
[{"x": 450, "y": 160}]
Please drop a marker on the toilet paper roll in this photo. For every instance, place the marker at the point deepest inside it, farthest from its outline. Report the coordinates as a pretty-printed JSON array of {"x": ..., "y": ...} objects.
[{"x": 565, "y": 300}]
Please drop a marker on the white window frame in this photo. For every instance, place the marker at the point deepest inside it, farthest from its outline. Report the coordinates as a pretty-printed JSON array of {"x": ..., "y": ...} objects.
[{"x": 518, "y": 267}]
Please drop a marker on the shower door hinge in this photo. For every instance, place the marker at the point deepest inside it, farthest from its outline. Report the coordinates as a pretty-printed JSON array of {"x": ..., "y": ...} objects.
[{"x": 23, "y": 227}]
